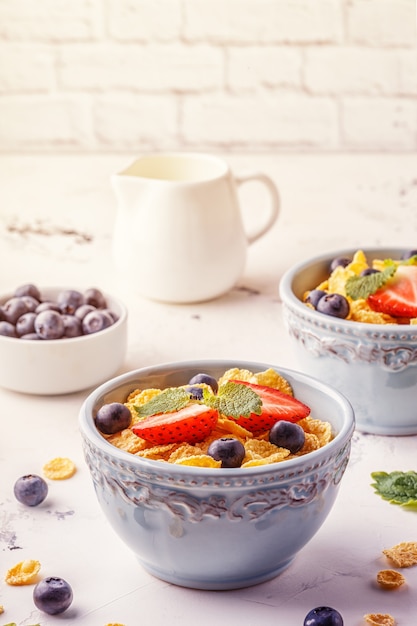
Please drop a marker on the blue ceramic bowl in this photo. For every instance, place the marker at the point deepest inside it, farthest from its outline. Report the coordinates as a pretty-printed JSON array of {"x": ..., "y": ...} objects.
[
  {"x": 373, "y": 365},
  {"x": 216, "y": 528}
]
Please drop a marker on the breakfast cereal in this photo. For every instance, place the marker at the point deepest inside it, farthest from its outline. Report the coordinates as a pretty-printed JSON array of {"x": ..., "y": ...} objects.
[
  {"x": 24, "y": 573},
  {"x": 403, "y": 554},
  {"x": 379, "y": 619},
  {"x": 258, "y": 450},
  {"x": 382, "y": 291},
  {"x": 59, "y": 468},
  {"x": 390, "y": 579}
]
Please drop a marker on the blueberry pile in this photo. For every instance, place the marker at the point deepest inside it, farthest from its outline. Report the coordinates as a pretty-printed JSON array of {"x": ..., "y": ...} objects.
[{"x": 27, "y": 315}]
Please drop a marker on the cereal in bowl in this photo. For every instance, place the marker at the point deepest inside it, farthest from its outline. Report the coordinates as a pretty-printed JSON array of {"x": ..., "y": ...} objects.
[
  {"x": 240, "y": 420},
  {"x": 382, "y": 291}
]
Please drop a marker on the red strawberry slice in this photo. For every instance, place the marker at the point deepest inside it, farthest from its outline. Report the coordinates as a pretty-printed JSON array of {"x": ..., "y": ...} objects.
[
  {"x": 398, "y": 297},
  {"x": 276, "y": 405},
  {"x": 191, "y": 424}
]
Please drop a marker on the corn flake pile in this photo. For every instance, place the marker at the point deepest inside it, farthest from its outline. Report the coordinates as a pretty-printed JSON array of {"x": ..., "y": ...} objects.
[
  {"x": 360, "y": 310},
  {"x": 259, "y": 451}
]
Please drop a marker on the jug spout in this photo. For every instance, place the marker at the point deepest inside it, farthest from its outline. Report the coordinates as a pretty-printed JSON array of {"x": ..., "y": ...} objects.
[{"x": 127, "y": 190}]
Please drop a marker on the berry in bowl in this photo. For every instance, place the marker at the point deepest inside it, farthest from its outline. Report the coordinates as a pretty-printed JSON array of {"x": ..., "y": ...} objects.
[
  {"x": 60, "y": 340},
  {"x": 352, "y": 318},
  {"x": 199, "y": 480}
]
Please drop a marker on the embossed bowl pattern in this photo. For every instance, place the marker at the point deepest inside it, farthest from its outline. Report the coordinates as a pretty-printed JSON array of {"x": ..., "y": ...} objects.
[
  {"x": 373, "y": 365},
  {"x": 210, "y": 528}
]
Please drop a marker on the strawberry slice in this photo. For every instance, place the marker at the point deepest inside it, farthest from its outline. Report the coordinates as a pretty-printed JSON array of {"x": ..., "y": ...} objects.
[
  {"x": 398, "y": 297},
  {"x": 191, "y": 424},
  {"x": 276, "y": 406}
]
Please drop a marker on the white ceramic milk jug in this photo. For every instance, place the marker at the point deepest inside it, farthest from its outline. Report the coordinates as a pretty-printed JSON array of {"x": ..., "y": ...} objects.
[{"x": 179, "y": 234}]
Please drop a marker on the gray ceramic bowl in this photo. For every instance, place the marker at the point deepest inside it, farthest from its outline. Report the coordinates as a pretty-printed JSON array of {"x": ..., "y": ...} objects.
[
  {"x": 373, "y": 365},
  {"x": 213, "y": 528},
  {"x": 60, "y": 366}
]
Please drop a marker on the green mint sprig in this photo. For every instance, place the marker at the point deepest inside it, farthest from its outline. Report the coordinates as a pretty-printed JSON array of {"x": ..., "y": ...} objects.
[
  {"x": 358, "y": 287},
  {"x": 234, "y": 400},
  {"x": 168, "y": 401},
  {"x": 397, "y": 487}
]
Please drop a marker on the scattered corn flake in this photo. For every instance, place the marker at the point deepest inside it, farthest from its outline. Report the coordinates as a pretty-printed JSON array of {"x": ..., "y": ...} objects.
[
  {"x": 390, "y": 579},
  {"x": 403, "y": 554},
  {"x": 59, "y": 468},
  {"x": 1, "y": 609},
  {"x": 24, "y": 573},
  {"x": 199, "y": 460},
  {"x": 114, "y": 624},
  {"x": 379, "y": 619}
]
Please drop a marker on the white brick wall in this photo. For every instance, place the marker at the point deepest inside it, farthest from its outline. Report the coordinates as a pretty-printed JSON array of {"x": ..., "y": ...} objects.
[{"x": 308, "y": 75}]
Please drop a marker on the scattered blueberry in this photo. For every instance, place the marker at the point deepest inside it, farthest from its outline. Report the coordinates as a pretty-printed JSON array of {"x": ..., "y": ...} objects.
[
  {"x": 323, "y": 616},
  {"x": 339, "y": 261},
  {"x": 369, "y": 271},
  {"x": 30, "y": 490},
  {"x": 112, "y": 418},
  {"x": 333, "y": 304},
  {"x": 287, "y": 435},
  {"x": 229, "y": 451},
  {"x": 314, "y": 296},
  {"x": 198, "y": 379},
  {"x": 52, "y": 595}
]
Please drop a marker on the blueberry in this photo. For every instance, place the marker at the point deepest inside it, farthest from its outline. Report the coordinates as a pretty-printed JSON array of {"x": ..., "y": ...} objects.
[
  {"x": 96, "y": 321},
  {"x": 30, "y": 490},
  {"x": 31, "y": 303},
  {"x": 28, "y": 290},
  {"x": 369, "y": 271},
  {"x": 229, "y": 451},
  {"x": 69, "y": 300},
  {"x": 52, "y": 595},
  {"x": 287, "y": 435},
  {"x": 47, "y": 305},
  {"x": 26, "y": 324},
  {"x": 408, "y": 254},
  {"x": 94, "y": 297},
  {"x": 195, "y": 392},
  {"x": 339, "y": 261},
  {"x": 333, "y": 304},
  {"x": 82, "y": 311},
  {"x": 198, "y": 379},
  {"x": 323, "y": 616},
  {"x": 31, "y": 336},
  {"x": 49, "y": 325},
  {"x": 112, "y": 418},
  {"x": 72, "y": 326},
  {"x": 13, "y": 309},
  {"x": 314, "y": 296},
  {"x": 7, "y": 329}
]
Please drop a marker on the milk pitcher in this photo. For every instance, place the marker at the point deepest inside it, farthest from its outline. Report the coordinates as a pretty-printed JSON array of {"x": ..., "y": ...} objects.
[{"x": 179, "y": 235}]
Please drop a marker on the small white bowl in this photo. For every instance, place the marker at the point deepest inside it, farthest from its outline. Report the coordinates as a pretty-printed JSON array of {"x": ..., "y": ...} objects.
[
  {"x": 211, "y": 528},
  {"x": 373, "y": 365},
  {"x": 59, "y": 366}
]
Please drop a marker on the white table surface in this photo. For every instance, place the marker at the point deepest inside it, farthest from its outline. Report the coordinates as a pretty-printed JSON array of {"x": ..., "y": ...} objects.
[{"x": 56, "y": 218}]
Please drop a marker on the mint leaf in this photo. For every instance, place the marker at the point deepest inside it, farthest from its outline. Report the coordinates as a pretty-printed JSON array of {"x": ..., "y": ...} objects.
[
  {"x": 397, "y": 487},
  {"x": 363, "y": 286},
  {"x": 169, "y": 400},
  {"x": 234, "y": 400},
  {"x": 410, "y": 261}
]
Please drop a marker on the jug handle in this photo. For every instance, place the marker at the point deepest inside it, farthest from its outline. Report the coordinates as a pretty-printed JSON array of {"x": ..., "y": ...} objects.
[{"x": 274, "y": 206}]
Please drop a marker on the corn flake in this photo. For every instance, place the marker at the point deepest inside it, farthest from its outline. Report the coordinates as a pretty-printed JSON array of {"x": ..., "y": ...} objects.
[
  {"x": 379, "y": 619},
  {"x": 403, "y": 554},
  {"x": 390, "y": 579},
  {"x": 200, "y": 460},
  {"x": 24, "y": 573},
  {"x": 59, "y": 468},
  {"x": 271, "y": 378}
]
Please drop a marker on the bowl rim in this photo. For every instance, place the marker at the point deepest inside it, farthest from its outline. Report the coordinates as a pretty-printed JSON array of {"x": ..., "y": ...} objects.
[
  {"x": 122, "y": 318},
  {"x": 290, "y": 300},
  {"x": 91, "y": 434}
]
